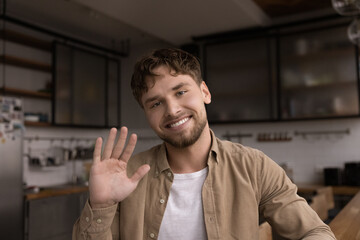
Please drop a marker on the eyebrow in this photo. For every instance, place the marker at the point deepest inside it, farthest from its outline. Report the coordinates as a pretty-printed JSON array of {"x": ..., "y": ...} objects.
[{"x": 177, "y": 87}]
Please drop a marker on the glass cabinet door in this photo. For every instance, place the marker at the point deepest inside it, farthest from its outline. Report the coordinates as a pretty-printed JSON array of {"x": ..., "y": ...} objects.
[
  {"x": 238, "y": 77},
  {"x": 318, "y": 76},
  {"x": 86, "y": 88}
]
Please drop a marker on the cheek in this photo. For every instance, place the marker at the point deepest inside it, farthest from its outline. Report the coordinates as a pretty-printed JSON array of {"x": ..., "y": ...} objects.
[
  {"x": 153, "y": 118},
  {"x": 195, "y": 103}
]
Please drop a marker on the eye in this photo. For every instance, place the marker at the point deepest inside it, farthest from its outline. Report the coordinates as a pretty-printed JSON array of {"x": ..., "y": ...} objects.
[
  {"x": 180, "y": 93},
  {"x": 155, "y": 105}
]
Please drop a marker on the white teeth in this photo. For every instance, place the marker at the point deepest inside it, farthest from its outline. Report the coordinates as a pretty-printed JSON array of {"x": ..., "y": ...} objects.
[{"x": 179, "y": 122}]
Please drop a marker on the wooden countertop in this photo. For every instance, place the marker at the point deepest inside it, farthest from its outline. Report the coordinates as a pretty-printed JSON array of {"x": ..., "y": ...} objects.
[
  {"x": 346, "y": 225},
  {"x": 56, "y": 191},
  {"x": 337, "y": 190}
]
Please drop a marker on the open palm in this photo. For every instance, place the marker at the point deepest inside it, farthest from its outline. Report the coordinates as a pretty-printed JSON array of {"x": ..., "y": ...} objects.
[{"x": 109, "y": 182}]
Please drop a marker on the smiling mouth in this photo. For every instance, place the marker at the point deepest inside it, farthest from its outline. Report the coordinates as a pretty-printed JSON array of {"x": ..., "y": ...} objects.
[{"x": 176, "y": 124}]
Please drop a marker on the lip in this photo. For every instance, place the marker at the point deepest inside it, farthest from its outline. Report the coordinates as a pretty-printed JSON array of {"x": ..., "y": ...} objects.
[{"x": 168, "y": 124}]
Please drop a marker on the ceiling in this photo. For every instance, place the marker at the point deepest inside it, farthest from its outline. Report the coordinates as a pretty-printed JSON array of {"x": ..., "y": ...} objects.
[{"x": 174, "y": 22}]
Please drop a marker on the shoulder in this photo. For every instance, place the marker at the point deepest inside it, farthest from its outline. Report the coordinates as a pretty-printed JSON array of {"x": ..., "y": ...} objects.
[
  {"x": 238, "y": 152},
  {"x": 238, "y": 157}
]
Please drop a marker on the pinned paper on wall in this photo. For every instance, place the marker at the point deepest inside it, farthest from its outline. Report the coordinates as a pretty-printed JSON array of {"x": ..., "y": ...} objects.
[{"x": 11, "y": 117}]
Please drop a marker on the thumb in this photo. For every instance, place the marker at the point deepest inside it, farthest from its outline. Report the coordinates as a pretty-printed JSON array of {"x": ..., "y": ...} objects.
[{"x": 140, "y": 173}]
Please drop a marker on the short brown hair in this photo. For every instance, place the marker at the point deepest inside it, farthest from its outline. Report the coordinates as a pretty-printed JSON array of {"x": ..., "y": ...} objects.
[{"x": 177, "y": 60}]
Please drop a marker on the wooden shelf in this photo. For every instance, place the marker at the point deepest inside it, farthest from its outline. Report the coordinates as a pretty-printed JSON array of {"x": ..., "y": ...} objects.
[
  {"x": 23, "y": 39},
  {"x": 37, "y": 124},
  {"x": 333, "y": 85},
  {"x": 323, "y": 55},
  {"x": 25, "y": 93},
  {"x": 20, "y": 62}
]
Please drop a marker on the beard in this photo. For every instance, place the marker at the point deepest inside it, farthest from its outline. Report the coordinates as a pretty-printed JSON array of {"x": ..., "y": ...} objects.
[{"x": 185, "y": 139}]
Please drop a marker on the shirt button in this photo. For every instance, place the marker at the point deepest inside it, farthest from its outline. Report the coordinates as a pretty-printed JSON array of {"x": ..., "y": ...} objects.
[
  {"x": 98, "y": 221},
  {"x": 87, "y": 219},
  {"x": 169, "y": 174},
  {"x": 152, "y": 235},
  {"x": 162, "y": 201}
]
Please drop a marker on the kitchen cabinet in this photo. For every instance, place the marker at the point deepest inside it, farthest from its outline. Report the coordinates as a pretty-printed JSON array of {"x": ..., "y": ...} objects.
[
  {"x": 292, "y": 72},
  {"x": 86, "y": 88},
  {"x": 318, "y": 75},
  {"x": 53, "y": 217},
  {"x": 238, "y": 76}
]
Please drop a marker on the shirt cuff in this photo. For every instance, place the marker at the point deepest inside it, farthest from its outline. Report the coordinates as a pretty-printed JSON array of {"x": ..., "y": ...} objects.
[{"x": 97, "y": 220}]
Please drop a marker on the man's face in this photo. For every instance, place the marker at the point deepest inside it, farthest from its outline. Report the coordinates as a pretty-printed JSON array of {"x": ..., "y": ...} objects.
[{"x": 174, "y": 107}]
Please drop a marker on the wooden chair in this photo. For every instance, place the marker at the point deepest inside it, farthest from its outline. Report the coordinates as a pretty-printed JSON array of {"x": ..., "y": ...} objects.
[
  {"x": 320, "y": 206},
  {"x": 265, "y": 232},
  {"x": 329, "y": 195}
]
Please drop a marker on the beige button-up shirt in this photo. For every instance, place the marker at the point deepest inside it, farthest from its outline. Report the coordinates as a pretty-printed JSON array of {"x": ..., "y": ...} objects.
[{"x": 242, "y": 184}]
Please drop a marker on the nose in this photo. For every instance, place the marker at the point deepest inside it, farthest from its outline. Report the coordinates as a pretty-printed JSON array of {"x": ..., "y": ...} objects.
[{"x": 172, "y": 108}]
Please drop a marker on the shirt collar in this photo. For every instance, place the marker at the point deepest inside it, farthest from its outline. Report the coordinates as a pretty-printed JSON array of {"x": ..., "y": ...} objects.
[
  {"x": 162, "y": 163},
  {"x": 214, "y": 150}
]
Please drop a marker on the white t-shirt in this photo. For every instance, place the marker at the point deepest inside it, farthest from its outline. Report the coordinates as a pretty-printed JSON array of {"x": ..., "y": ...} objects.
[{"x": 184, "y": 216}]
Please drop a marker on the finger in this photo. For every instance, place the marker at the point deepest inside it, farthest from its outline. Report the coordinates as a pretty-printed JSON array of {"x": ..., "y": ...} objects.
[
  {"x": 140, "y": 173},
  {"x": 97, "y": 150},
  {"x": 125, "y": 156},
  {"x": 120, "y": 143},
  {"x": 109, "y": 144}
]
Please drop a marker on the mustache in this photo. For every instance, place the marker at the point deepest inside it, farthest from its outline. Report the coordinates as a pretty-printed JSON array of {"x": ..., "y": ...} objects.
[{"x": 177, "y": 117}]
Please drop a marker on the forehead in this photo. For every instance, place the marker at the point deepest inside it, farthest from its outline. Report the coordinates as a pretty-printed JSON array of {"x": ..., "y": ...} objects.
[
  {"x": 168, "y": 76},
  {"x": 164, "y": 81}
]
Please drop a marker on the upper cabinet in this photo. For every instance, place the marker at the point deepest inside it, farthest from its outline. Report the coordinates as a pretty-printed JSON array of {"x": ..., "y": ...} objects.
[
  {"x": 318, "y": 74},
  {"x": 229, "y": 68},
  {"x": 303, "y": 71},
  {"x": 86, "y": 88}
]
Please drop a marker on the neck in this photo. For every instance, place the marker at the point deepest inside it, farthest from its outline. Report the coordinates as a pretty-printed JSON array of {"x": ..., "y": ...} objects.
[{"x": 192, "y": 158}]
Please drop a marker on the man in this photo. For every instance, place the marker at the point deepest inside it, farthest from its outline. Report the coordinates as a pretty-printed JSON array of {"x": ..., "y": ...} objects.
[{"x": 194, "y": 185}]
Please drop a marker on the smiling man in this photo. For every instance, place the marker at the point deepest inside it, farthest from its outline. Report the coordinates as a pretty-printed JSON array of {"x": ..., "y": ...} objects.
[{"x": 194, "y": 185}]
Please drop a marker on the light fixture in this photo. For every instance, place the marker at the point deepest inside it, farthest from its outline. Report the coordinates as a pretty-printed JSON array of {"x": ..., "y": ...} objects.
[
  {"x": 354, "y": 31},
  {"x": 350, "y": 8},
  {"x": 346, "y": 7}
]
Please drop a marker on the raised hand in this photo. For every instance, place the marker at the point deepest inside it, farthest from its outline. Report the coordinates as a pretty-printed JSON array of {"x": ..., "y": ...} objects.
[{"x": 109, "y": 183}]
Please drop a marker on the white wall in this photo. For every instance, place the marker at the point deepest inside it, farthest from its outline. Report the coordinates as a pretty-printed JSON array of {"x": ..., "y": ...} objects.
[{"x": 307, "y": 156}]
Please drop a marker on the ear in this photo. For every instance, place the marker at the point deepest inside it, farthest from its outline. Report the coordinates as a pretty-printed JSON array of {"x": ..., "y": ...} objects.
[{"x": 205, "y": 92}]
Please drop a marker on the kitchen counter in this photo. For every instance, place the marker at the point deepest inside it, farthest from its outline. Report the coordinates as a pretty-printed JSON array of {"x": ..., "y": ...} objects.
[
  {"x": 337, "y": 190},
  {"x": 58, "y": 190}
]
